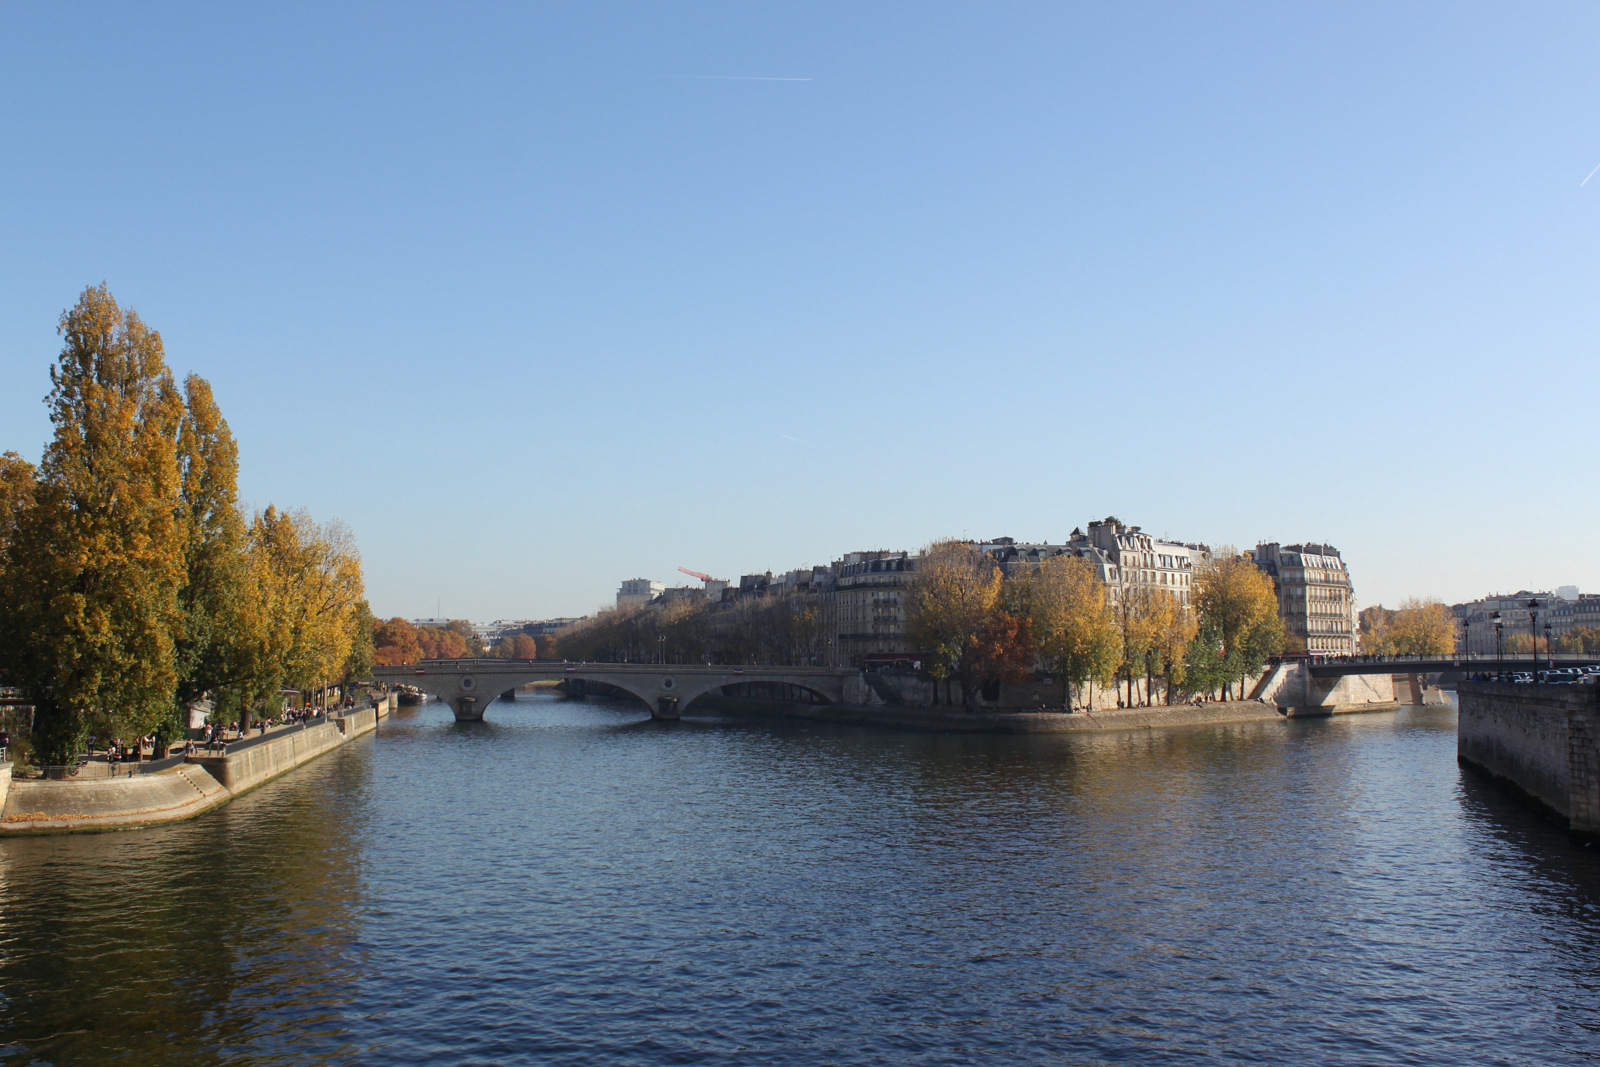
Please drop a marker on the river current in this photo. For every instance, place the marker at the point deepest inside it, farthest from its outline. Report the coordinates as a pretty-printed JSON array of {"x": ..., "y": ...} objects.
[{"x": 569, "y": 883}]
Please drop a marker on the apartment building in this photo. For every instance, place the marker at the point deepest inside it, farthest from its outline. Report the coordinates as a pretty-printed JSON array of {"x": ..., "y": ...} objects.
[{"x": 1315, "y": 597}]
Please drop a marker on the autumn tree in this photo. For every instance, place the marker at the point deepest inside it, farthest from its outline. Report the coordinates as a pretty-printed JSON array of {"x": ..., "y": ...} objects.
[
  {"x": 1580, "y": 640},
  {"x": 395, "y": 642},
  {"x": 1072, "y": 622},
  {"x": 303, "y": 590},
  {"x": 1375, "y": 625},
  {"x": 1002, "y": 650},
  {"x": 952, "y": 597},
  {"x": 1422, "y": 628},
  {"x": 208, "y": 637},
  {"x": 1172, "y": 626},
  {"x": 1135, "y": 635},
  {"x": 1237, "y": 600},
  {"x": 16, "y": 495},
  {"x": 547, "y": 648},
  {"x": 94, "y": 566}
]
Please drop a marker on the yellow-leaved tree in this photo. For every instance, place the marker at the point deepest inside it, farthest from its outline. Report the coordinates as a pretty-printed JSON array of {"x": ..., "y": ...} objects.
[
  {"x": 302, "y": 611},
  {"x": 1073, "y": 624},
  {"x": 1238, "y": 609},
  {"x": 93, "y": 563},
  {"x": 952, "y": 598},
  {"x": 1172, "y": 625},
  {"x": 1422, "y": 628}
]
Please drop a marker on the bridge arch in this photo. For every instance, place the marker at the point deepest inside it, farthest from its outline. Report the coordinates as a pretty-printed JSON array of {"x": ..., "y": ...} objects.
[{"x": 470, "y": 686}]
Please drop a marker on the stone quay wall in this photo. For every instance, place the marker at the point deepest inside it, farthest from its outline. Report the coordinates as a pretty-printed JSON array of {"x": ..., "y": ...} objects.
[
  {"x": 948, "y": 720},
  {"x": 1542, "y": 739},
  {"x": 198, "y": 785}
]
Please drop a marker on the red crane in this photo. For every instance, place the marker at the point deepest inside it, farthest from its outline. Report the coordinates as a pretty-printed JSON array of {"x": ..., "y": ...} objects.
[{"x": 697, "y": 574}]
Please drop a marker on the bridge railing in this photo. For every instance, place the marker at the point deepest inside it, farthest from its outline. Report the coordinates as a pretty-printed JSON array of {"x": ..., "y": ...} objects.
[{"x": 490, "y": 663}]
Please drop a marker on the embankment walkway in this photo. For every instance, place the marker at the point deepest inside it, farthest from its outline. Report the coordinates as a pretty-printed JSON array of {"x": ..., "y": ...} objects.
[{"x": 202, "y": 782}]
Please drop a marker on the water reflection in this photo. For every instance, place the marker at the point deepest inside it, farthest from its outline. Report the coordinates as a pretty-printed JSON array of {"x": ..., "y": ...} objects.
[
  {"x": 572, "y": 883},
  {"x": 185, "y": 944}
]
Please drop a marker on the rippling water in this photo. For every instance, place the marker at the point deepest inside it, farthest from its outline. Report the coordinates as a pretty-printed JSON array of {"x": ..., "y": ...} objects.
[{"x": 568, "y": 884}]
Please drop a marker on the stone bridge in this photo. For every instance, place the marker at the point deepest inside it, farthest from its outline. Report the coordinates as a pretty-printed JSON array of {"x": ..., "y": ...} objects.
[{"x": 470, "y": 685}]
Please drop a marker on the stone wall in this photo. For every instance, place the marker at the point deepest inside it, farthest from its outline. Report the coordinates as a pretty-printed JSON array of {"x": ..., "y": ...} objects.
[
  {"x": 948, "y": 720},
  {"x": 1540, "y": 738},
  {"x": 36, "y": 806},
  {"x": 904, "y": 689},
  {"x": 78, "y": 804}
]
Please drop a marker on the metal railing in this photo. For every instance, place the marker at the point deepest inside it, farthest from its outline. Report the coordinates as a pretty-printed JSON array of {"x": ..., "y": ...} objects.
[{"x": 245, "y": 743}]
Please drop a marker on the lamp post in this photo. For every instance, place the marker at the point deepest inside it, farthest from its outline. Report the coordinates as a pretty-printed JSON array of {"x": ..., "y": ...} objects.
[
  {"x": 1533, "y": 632},
  {"x": 661, "y": 648},
  {"x": 1498, "y": 655}
]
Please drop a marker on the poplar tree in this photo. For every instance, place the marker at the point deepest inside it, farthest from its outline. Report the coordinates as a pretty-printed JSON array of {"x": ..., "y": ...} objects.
[
  {"x": 302, "y": 607},
  {"x": 93, "y": 567},
  {"x": 209, "y": 634}
]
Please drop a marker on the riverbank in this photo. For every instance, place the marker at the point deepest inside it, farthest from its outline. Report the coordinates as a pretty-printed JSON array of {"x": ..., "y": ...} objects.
[
  {"x": 955, "y": 720},
  {"x": 199, "y": 784}
]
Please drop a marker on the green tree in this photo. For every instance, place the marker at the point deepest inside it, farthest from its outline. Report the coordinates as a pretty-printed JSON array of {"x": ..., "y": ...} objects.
[
  {"x": 94, "y": 566},
  {"x": 1205, "y": 668}
]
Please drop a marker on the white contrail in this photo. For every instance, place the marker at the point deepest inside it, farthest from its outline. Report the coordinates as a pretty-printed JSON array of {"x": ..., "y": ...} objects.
[
  {"x": 1592, "y": 173},
  {"x": 796, "y": 440},
  {"x": 735, "y": 78}
]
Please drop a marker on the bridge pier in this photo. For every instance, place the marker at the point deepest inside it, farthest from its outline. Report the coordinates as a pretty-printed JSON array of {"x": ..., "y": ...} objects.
[
  {"x": 666, "y": 708},
  {"x": 509, "y": 694},
  {"x": 466, "y": 709}
]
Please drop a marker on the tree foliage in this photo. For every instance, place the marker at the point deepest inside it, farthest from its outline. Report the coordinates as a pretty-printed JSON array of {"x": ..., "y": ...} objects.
[
  {"x": 1237, "y": 605},
  {"x": 1422, "y": 628},
  {"x": 94, "y": 566},
  {"x": 1072, "y": 620},
  {"x": 123, "y": 558},
  {"x": 953, "y": 596}
]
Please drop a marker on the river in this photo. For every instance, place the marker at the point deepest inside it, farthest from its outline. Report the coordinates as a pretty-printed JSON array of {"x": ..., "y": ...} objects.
[{"x": 569, "y": 884}]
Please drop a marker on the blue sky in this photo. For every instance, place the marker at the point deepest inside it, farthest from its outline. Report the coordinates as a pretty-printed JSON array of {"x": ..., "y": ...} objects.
[{"x": 538, "y": 298}]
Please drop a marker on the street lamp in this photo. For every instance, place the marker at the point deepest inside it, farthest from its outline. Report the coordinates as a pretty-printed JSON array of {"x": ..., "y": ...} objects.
[
  {"x": 1498, "y": 655},
  {"x": 661, "y": 648},
  {"x": 1533, "y": 632}
]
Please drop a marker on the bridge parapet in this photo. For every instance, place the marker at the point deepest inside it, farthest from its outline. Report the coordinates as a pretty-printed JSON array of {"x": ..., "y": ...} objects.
[{"x": 470, "y": 685}]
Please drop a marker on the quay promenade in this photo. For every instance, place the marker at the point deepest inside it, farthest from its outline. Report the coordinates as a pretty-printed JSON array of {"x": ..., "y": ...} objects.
[{"x": 179, "y": 787}]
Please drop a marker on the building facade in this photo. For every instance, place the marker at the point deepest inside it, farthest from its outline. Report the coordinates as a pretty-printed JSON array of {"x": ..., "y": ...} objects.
[
  {"x": 1315, "y": 597},
  {"x": 637, "y": 592},
  {"x": 1563, "y": 611}
]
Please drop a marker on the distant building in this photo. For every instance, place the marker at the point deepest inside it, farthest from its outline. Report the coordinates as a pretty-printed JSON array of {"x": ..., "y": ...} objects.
[
  {"x": 1143, "y": 561},
  {"x": 1315, "y": 597},
  {"x": 866, "y": 607},
  {"x": 1562, "y": 613},
  {"x": 637, "y": 592}
]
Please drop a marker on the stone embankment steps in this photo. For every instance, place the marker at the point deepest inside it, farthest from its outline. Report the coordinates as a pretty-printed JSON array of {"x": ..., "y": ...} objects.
[{"x": 202, "y": 783}]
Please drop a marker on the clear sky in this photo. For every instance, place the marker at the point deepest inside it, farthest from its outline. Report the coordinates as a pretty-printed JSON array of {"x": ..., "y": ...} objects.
[{"x": 542, "y": 297}]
